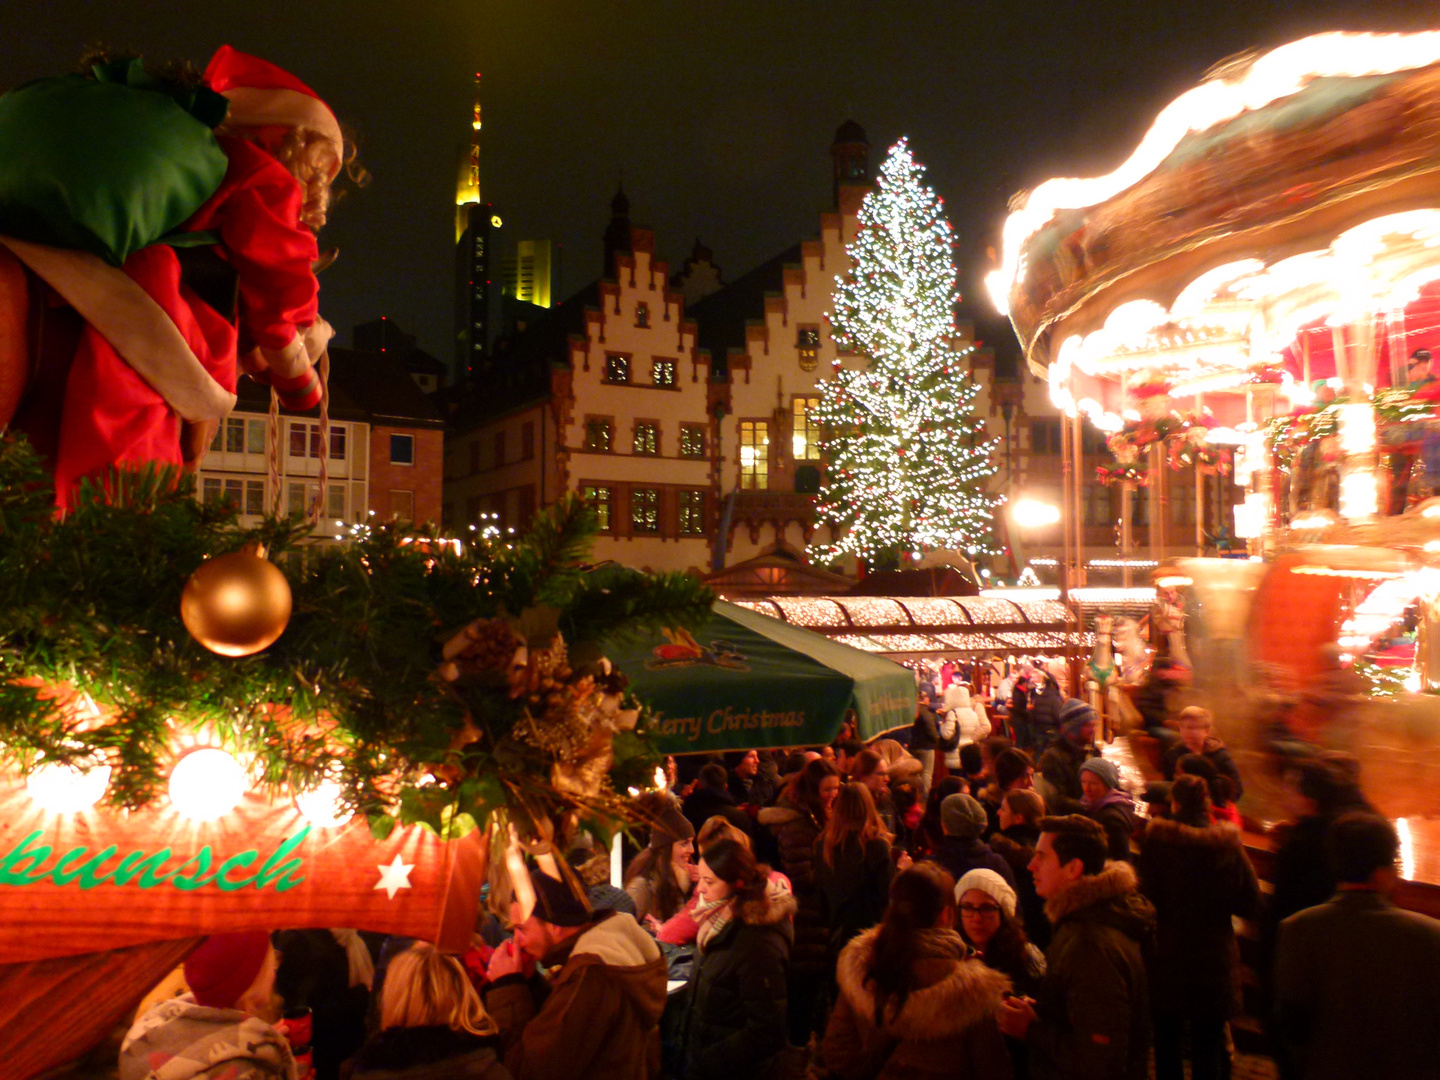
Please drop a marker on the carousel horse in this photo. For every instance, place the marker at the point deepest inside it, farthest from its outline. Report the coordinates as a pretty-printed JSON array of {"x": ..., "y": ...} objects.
[{"x": 1102, "y": 674}]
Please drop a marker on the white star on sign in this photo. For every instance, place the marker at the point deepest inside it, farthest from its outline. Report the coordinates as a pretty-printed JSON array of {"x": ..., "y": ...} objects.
[{"x": 394, "y": 877}]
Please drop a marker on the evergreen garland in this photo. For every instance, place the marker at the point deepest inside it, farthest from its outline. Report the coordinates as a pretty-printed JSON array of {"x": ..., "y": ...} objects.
[
  {"x": 906, "y": 461},
  {"x": 351, "y": 691}
]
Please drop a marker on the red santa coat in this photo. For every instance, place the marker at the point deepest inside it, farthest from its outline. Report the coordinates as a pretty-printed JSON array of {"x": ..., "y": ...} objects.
[{"x": 110, "y": 415}]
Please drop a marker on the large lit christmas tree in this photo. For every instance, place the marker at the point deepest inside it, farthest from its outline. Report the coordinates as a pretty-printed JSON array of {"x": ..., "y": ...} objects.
[{"x": 906, "y": 462}]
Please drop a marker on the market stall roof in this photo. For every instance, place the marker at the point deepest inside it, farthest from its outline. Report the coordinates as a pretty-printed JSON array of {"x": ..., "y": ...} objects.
[
  {"x": 746, "y": 680},
  {"x": 1025, "y": 621}
]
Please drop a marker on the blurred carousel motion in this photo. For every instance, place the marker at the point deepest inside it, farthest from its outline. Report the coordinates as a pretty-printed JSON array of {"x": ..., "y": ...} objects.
[{"x": 1257, "y": 289}]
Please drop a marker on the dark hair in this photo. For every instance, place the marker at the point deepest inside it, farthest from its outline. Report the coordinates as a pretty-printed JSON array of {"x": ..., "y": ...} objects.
[
  {"x": 849, "y": 747},
  {"x": 1025, "y": 804},
  {"x": 930, "y": 827},
  {"x": 994, "y": 746},
  {"x": 1008, "y": 948},
  {"x": 866, "y": 763},
  {"x": 1359, "y": 843},
  {"x": 904, "y": 795},
  {"x": 1011, "y": 765},
  {"x": 653, "y": 864},
  {"x": 1221, "y": 791},
  {"x": 714, "y": 775},
  {"x": 734, "y": 864},
  {"x": 1077, "y": 837},
  {"x": 1330, "y": 787},
  {"x": 918, "y": 898},
  {"x": 1191, "y": 796},
  {"x": 794, "y": 761},
  {"x": 803, "y": 791},
  {"x": 970, "y": 760}
]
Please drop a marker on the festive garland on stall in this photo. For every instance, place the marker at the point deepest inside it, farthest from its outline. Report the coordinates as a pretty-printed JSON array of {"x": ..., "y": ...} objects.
[
  {"x": 433, "y": 681},
  {"x": 1110, "y": 475}
]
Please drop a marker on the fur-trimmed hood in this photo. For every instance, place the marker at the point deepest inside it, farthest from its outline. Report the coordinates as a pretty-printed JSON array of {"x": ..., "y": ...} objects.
[
  {"x": 957, "y": 989},
  {"x": 773, "y": 908},
  {"x": 1222, "y": 834},
  {"x": 1110, "y": 897}
]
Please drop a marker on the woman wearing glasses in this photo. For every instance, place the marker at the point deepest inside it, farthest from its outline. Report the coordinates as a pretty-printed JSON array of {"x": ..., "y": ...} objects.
[{"x": 989, "y": 926}]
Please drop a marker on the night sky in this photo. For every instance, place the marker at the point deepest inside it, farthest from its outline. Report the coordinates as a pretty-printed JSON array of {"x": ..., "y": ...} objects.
[{"x": 719, "y": 114}]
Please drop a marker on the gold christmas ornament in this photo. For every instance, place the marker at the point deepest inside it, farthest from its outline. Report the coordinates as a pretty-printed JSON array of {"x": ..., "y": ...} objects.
[{"x": 236, "y": 604}]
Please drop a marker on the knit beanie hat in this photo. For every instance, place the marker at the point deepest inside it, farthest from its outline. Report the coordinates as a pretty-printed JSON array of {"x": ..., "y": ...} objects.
[
  {"x": 670, "y": 827},
  {"x": 1074, "y": 715},
  {"x": 556, "y": 902},
  {"x": 263, "y": 95},
  {"x": 224, "y": 966},
  {"x": 991, "y": 884},
  {"x": 962, "y": 816},
  {"x": 1105, "y": 769}
]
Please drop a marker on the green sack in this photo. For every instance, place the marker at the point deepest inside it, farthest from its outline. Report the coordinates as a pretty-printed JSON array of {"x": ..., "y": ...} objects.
[{"x": 107, "y": 165}]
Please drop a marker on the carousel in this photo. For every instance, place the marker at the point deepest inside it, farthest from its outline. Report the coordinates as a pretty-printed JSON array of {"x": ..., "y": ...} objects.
[{"x": 1255, "y": 292}]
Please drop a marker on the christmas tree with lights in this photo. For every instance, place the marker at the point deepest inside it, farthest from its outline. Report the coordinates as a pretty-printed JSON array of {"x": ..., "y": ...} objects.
[{"x": 906, "y": 462}]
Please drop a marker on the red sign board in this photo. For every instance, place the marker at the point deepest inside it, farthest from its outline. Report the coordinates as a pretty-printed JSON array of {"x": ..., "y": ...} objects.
[{"x": 103, "y": 879}]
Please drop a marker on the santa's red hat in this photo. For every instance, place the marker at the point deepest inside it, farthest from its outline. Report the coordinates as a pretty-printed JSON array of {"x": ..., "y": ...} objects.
[{"x": 262, "y": 95}]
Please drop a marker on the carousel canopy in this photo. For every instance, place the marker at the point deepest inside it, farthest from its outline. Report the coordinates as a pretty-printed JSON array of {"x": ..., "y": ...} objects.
[{"x": 1280, "y": 223}]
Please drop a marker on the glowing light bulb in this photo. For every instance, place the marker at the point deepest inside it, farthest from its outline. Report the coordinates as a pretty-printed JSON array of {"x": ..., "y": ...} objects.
[
  {"x": 321, "y": 806},
  {"x": 64, "y": 789},
  {"x": 207, "y": 784}
]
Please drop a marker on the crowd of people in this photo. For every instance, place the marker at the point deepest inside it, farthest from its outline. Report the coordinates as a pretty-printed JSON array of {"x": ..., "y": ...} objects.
[{"x": 951, "y": 909}]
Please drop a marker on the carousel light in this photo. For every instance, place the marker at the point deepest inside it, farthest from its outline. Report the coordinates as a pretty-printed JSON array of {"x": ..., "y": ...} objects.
[
  {"x": 1033, "y": 514},
  {"x": 1412, "y": 681},
  {"x": 1407, "y": 849},
  {"x": 207, "y": 784},
  {"x": 1359, "y": 497},
  {"x": 1250, "y": 516},
  {"x": 1319, "y": 519},
  {"x": 321, "y": 806},
  {"x": 1224, "y": 436},
  {"x": 65, "y": 789},
  {"x": 1173, "y": 581},
  {"x": 1432, "y": 546}
]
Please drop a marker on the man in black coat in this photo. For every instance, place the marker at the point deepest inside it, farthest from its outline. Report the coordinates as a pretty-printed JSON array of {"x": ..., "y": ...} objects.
[
  {"x": 963, "y": 820},
  {"x": 1357, "y": 978},
  {"x": 925, "y": 737},
  {"x": 711, "y": 797}
]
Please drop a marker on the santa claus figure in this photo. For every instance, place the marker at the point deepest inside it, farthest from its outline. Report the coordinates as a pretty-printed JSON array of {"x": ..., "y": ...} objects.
[{"x": 149, "y": 367}]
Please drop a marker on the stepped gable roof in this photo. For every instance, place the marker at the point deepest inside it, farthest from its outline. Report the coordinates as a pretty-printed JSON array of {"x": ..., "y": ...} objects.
[
  {"x": 372, "y": 388},
  {"x": 722, "y": 316}
]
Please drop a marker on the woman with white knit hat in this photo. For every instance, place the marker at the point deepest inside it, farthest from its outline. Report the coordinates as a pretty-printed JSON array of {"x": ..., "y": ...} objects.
[{"x": 989, "y": 926}]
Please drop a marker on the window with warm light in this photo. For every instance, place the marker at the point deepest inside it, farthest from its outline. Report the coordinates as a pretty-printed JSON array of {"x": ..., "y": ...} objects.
[
  {"x": 805, "y": 437},
  {"x": 807, "y": 344},
  {"x": 692, "y": 513},
  {"x": 642, "y": 314},
  {"x": 692, "y": 440},
  {"x": 662, "y": 373},
  {"x": 601, "y": 500},
  {"x": 754, "y": 455},
  {"x": 617, "y": 369},
  {"x": 647, "y": 438},
  {"x": 644, "y": 510},
  {"x": 598, "y": 434}
]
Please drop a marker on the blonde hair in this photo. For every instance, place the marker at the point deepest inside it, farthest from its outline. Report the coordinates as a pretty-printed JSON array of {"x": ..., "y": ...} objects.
[
  {"x": 310, "y": 157},
  {"x": 425, "y": 988},
  {"x": 1196, "y": 715},
  {"x": 717, "y": 828}
]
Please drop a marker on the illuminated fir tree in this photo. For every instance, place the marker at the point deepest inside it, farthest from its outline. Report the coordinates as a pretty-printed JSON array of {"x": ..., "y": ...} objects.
[{"x": 906, "y": 462}]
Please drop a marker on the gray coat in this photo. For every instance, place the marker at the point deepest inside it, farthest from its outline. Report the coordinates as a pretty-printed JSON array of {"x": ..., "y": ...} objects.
[{"x": 1358, "y": 989}]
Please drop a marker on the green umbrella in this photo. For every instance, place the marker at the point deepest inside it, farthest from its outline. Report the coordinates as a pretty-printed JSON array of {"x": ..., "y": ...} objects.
[{"x": 745, "y": 680}]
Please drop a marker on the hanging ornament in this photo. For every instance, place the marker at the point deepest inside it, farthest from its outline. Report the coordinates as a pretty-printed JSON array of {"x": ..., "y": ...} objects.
[{"x": 236, "y": 604}]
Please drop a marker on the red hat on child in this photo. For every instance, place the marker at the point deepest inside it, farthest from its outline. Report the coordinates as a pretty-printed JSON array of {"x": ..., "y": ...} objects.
[
  {"x": 262, "y": 94},
  {"x": 224, "y": 966}
]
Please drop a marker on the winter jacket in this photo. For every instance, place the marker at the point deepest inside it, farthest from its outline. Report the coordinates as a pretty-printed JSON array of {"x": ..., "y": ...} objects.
[
  {"x": 946, "y": 1028},
  {"x": 181, "y": 1040},
  {"x": 601, "y": 1016},
  {"x": 1016, "y": 845},
  {"x": 796, "y": 831},
  {"x": 1358, "y": 990},
  {"x": 1197, "y": 879},
  {"x": 925, "y": 732},
  {"x": 855, "y": 889},
  {"x": 705, "y": 802},
  {"x": 1059, "y": 769},
  {"x": 735, "y": 1015},
  {"x": 759, "y": 791},
  {"x": 1216, "y": 754},
  {"x": 314, "y": 974},
  {"x": 429, "y": 1053},
  {"x": 1094, "y": 1007},
  {"x": 959, "y": 856},
  {"x": 1115, "y": 813},
  {"x": 1045, "y": 712}
]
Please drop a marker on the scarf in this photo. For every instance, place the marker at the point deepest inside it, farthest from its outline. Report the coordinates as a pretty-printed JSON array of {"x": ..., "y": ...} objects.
[
  {"x": 1112, "y": 797},
  {"x": 712, "y": 916}
]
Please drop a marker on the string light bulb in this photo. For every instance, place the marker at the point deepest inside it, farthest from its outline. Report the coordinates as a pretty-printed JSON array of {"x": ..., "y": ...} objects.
[
  {"x": 66, "y": 789},
  {"x": 206, "y": 784}
]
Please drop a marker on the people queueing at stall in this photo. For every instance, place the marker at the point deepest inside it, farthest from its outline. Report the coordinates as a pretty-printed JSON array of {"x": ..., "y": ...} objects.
[{"x": 867, "y": 911}]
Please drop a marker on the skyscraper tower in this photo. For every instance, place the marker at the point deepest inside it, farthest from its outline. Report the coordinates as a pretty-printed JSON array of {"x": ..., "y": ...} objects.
[{"x": 477, "y": 299}]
